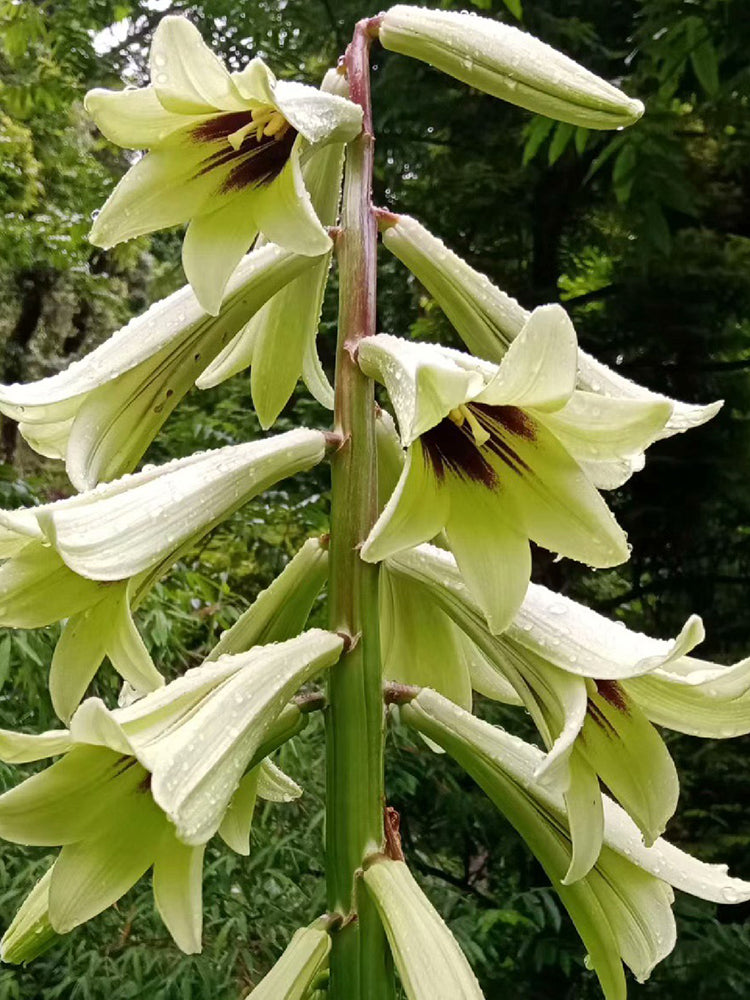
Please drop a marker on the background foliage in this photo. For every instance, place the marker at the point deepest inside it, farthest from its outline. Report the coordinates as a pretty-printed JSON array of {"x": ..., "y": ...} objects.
[{"x": 644, "y": 235}]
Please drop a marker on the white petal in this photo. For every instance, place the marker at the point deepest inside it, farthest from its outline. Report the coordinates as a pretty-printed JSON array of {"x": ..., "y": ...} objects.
[
  {"x": 22, "y": 748},
  {"x": 667, "y": 862},
  {"x": 37, "y": 588},
  {"x": 134, "y": 523},
  {"x": 424, "y": 382},
  {"x": 602, "y": 429},
  {"x": 317, "y": 116},
  {"x": 29, "y": 933},
  {"x": 235, "y": 827},
  {"x": 178, "y": 891},
  {"x": 285, "y": 215},
  {"x": 135, "y": 119},
  {"x": 186, "y": 75},
  {"x": 416, "y": 512},
  {"x": 214, "y": 244},
  {"x": 92, "y": 874},
  {"x": 539, "y": 369},
  {"x": 197, "y": 768},
  {"x": 276, "y": 786},
  {"x": 430, "y": 963},
  {"x": 298, "y": 968},
  {"x": 77, "y": 657},
  {"x": 164, "y": 188},
  {"x": 494, "y": 558},
  {"x": 255, "y": 82}
]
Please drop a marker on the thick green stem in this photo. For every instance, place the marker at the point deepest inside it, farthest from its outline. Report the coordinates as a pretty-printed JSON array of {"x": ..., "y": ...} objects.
[{"x": 360, "y": 967}]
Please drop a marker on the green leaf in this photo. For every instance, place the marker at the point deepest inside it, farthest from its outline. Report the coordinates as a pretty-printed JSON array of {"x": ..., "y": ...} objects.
[
  {"x": 706, "y": 66},
  {"x": 562, "y": 136},
  {"x": 536, "y": 132}
]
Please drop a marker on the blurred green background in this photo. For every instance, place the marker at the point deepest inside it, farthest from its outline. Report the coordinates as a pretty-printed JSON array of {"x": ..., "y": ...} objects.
[{"x": 644, "y": 235}]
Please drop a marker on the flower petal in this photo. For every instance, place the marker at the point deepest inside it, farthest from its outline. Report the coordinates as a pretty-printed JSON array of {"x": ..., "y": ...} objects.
[
  {"x": 599, "y": 428},
  {"x": 430, "y": 963},
  {"x": 77, "y": 657},
  {"x": 135, "y": 119},
  {"x": 416, "y": 512},
  {"x": 539, "y": 369},
  {"x": 317, "y": 116},
  {"x": 627, "y": 752},
  {"x": 133, "y": 524},
  {"x": 494, "y": 558},
  {"x": 186, "y": 75},
  {"x": 197, "y": 768},
  {"x": 214, "y": 244},
  {"x": 164, "y": 188},
  {"x": 276, "y": 786},
  {"x": 37, "y": 588},
  {"x": 698, "y": 710},
  {"x": 94, "y": 873},
  {"x": 178, "y": 891},
  {"x": 296, "y": 971},
  {"x": 22, "y": 748},
  {"x": 583, "y": 804},
  {"x": 424, "y": 382},
  {"x": 60, "y": 804},
  {"x": 548, "y": 497},
  {"x": 285, "y": 215},
  {"x": 420, "y": 644},
  {"x": 30, "y": 933},
  {"x": 235, "y": 827}
]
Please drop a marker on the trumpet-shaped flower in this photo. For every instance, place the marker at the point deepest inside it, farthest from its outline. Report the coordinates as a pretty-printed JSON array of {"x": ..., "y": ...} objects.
[
  {"x": 150, "y": 784},
  {"x": 488, "y": 321},
  {"x": 279, "y": 343},
  {"x": 223, "y": 153},
  {"x": 509, "y": 64},
  {"x": 101, "y": 414},
  {"x": 592, "y": 687},
  {"x": 430, "y": 963},
  {"x": 622, "y": 907},
  {"x": 91, "y": 558},
  {"x": 494, "y": 456}
]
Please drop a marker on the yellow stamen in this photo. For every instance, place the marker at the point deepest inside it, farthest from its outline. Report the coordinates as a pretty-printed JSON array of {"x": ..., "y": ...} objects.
[
  {"x": 462, "y": 414},
  {"x": 277, "y": 125},
  {"x": 266, "y": 120}
]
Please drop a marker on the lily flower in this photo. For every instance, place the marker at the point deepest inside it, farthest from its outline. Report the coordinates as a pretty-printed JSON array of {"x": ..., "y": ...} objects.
[
  {"x": 93, "y": 557},
  {"x": 223, "y": 153},
  {"x": 429, "y": 960},
  {"x": 494, "y": 455},
  {"x": 507, "y": 63},
  {"x": 579, "y": 676},
  {"x": 150, "y": 784},
  {"x": 488, "y": 321},
  {"x": 279, "y": 342},
  {"x": 622, "y": 907},
  {"x": 101, "y": 414}
]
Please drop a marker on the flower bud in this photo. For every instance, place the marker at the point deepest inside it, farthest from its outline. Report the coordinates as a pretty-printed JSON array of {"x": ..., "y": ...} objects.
[{"x": 507, "y": 63}]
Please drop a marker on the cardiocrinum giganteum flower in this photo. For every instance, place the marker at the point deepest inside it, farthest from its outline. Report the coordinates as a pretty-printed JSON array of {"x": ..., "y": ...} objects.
[
  {"x": 223, "y": 153},
  {"x": 92, "y": 558},
  {"x": 592, "y": 687},
  {"x": 494, "y": 456},
  {"x": 150, "y": 784}
]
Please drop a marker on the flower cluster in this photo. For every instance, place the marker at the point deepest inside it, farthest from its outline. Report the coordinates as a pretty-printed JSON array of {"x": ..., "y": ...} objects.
[{"x": 489, "y": 452}]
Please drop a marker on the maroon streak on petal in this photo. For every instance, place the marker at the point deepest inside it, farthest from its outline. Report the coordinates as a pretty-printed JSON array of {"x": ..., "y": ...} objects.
[
  {"x": 613, "y": 693},
  {"x": 261, "y": 164},
  {"x": 221, "y": 126},
  {"x": 449, "y": 449}
]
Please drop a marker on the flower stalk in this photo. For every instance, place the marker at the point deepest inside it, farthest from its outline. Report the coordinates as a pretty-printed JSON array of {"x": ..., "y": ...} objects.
[{"x": 355, "y": 715}]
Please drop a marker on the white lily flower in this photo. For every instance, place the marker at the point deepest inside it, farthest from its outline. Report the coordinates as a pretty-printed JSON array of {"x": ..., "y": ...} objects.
[
  {"x": 622, "y": 907},
  {"x": 430, "y": 963},
  {"x": 279, "y": 343},
  {"x": 507, "y": 63},
  {"x": 101, "y": 414},
  {"x": 488, "y": 321},
  {"x": 149, "y": 784},
  {"x": 224, "y": 154},
  {"x": 91, "y": 558},
  {"x": 572, "y": 670},
  {"x": 495, "y": 455}
]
